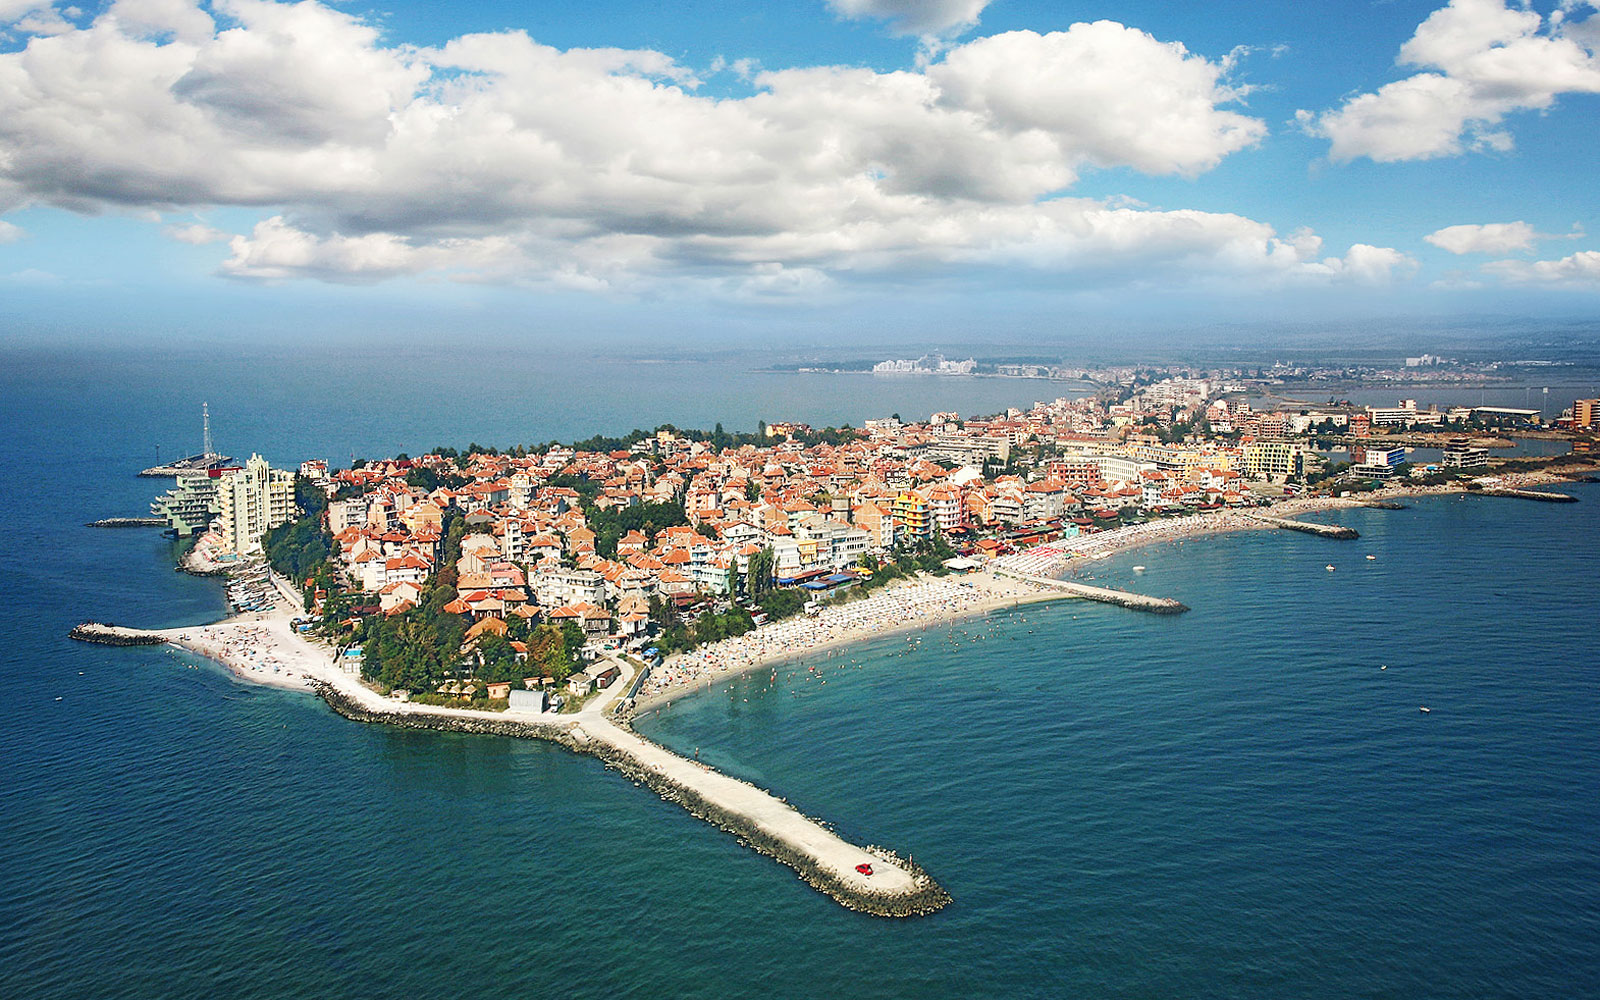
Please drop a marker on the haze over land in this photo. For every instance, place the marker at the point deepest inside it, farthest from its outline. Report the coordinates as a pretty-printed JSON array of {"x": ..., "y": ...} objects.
[{"x": 805, "y": 171}]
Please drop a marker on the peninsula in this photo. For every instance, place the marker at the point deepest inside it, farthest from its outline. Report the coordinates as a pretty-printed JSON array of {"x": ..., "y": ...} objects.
[{"x": 553, "y": 591}]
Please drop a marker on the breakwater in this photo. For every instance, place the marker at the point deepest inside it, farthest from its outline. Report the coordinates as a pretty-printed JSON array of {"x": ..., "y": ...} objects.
[
  {"x": 1384, "y": 504},
  {"x": 127, "y": 522},
  {"x": 1321, "y": 530},
  {"x": 1539, "y": 495},
  {"x": 113, "y": 635},
  {"x": 1105, "y": 595},
  {"x": 759, "y": 820}
]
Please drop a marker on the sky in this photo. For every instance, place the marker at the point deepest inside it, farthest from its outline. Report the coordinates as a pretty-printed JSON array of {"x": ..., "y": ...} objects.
[{"x": 794, "y": 170}]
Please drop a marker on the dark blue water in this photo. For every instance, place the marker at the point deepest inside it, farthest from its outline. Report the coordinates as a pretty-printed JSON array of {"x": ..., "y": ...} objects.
[{"x": 1235, "y": 802}]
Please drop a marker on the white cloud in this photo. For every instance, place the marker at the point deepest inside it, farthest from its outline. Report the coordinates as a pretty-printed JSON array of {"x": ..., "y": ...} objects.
[
  {"x": 195, "y": 234},
  {"x": 1580, "y": 270},
  {"x": 276, "y": 250},
  {"x": 915, "y": 17},
  {"x": 34, "y": 17},
  {"x": 495, "y": 158},
  {"x": 179, "y": 18},
  {"x": 1495, "y": 237},
  {"x": 10, "y": 233},
  {"x": 1492, "y": 237},
  {"x": 1486, "y": 61}
]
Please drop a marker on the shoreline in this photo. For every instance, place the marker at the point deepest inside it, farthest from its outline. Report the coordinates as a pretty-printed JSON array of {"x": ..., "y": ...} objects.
[{"x": 1022, "y": 594}]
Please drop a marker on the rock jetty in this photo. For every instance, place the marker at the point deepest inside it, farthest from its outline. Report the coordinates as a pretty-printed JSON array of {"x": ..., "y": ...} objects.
[
  {"x": 126, "y": 522},
  {"x": 113, "y": 635},
  {"x": 702, "y": 792},
  {"x": 1105, "y": 595},
  {"x": 1540, "y": 495},
  {"x": 1322, "y": 530}
]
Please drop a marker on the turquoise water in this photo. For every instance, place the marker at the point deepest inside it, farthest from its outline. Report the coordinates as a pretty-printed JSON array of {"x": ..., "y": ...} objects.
[{"x": 1234, "y": 802}]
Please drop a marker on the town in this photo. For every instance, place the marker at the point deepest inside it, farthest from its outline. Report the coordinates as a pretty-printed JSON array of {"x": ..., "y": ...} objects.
[{"x": 490, "y": 578}]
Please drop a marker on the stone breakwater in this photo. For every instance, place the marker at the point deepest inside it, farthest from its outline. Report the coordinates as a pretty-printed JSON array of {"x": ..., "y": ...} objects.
[
  {"x": 112, "y": 635},
  {"x": 925, "y": 895},
  {"x": 1540, "y": 495},
  {"x": 1105, "y": 595},
  {"x": 127, "y": 522},
  {"x": 1323, "y": 530}
]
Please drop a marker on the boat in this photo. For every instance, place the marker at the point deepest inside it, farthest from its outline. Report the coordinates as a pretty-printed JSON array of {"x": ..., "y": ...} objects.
[
  {"x": 1425, "y": 709},
  {"x": 1372, "y": 557},
  {"x": 1138, "y": 569},
  {"x": 1329, "y": 567}
]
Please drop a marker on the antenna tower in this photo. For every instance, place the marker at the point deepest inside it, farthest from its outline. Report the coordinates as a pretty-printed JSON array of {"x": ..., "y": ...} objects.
[{"x": 205, "y": 418}]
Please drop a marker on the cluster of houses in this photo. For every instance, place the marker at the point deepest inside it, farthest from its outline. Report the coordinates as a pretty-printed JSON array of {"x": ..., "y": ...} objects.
[{"x": 1054, "y": 471}]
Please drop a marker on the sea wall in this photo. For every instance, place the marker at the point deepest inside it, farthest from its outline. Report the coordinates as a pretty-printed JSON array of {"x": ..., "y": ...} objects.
[{"x": 926, "y": 897}]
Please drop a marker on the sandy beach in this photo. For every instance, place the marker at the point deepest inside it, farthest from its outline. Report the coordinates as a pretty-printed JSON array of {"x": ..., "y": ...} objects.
[{"x": 899, "y": 607}]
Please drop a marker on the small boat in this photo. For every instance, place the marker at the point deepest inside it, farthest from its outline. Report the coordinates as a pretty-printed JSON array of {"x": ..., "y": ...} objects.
[
  {"x": 1329, "y": 567},
  {"x": 1425, "y": 709},
  {"x": 1384, "y": 667},
  {"x": 1138, "y": 569},
  {"x": 1372, "y": 557}
]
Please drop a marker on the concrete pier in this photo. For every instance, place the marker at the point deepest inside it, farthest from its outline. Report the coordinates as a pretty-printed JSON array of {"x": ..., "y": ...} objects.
[
  {"x": 1105, "y": 595},
  {"x": 1323, "y": 530}
]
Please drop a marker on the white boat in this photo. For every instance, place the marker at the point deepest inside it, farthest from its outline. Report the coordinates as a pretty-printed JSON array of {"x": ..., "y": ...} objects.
[
  {"x": 1372, "y": 557},
  {"x": 1425, "y": 709},
  {"x": 1138, "y": 569},
  {"x": 1329, "y": 567}
]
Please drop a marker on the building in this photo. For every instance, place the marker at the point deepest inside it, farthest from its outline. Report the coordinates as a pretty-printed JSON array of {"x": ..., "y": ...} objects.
[
  {"x": 1379, "y": 463},
  {"x": 523, "y": 700},
  {"x": 1459, "y": 453},
  {"x": 189, "y": 507},
  {"x": 911, "y": 517},
  {"x": 1274, "y": 460},
  {"x": 252, "y": 502},
  {"x": 1586, "y": 412}
]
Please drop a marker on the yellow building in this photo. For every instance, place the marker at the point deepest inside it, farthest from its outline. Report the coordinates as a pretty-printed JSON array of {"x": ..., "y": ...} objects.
[
  {"x": 911, "y": 517},
  {"x": 1274, "y": 460},
  {"x": 1586, "y": 413}
]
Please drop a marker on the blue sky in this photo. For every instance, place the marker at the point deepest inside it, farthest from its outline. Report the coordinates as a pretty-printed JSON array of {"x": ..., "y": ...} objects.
[{"x": 807, "y": 169}]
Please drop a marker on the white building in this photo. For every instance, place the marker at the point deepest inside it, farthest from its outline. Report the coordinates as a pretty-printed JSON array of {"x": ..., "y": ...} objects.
[{"x": 254, "y": 502}]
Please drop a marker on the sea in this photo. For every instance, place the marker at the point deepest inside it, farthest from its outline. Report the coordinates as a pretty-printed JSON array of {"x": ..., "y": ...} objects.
[{"x": 1242, "y": 801}]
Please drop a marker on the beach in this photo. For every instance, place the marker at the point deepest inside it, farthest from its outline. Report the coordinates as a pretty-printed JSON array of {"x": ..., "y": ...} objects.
[{"x": 901, "y": 606}]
